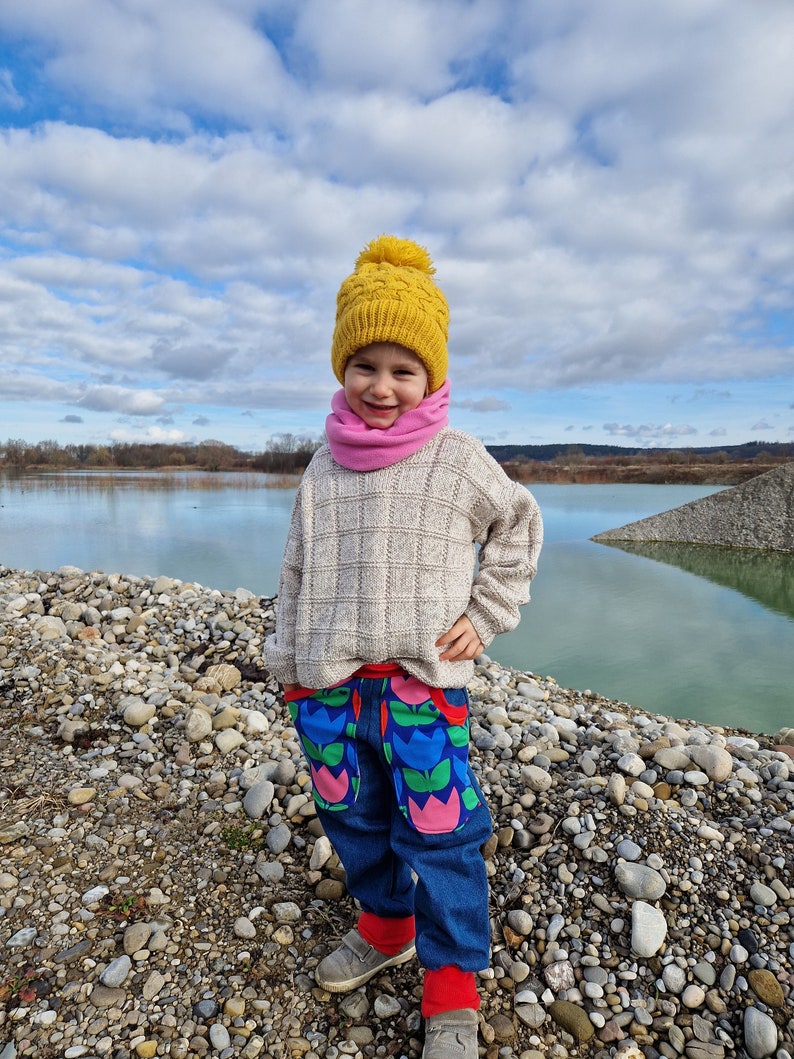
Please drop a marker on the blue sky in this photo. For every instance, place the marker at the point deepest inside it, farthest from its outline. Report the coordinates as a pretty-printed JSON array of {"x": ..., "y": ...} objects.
[{"x": 607, "y": 191}]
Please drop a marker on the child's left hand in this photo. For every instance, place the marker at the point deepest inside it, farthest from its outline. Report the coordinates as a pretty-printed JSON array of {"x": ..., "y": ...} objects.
[{"x": 461, "y": 643}]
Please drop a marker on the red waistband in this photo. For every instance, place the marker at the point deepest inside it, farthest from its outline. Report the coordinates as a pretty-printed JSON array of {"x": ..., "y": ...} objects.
[
  {"x": 380, "y": 669},
  {"x": 374, "y": 670}
]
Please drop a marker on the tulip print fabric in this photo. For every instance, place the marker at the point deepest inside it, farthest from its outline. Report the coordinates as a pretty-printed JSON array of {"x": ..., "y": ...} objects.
[{"x": 425, "y": 743}]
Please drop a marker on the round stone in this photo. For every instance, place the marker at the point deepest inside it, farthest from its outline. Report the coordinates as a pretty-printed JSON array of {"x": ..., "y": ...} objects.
[
  {"x": 616, "y": 789},
  {"x": 760, "y": 894},
  {"x": 387, "y": 1007},
  {"x": 355, "y": 1005},
  {"x": 228, "y": 740},
  {"x": 760, "y": 1033},
  {"x": 536, "y": 779},
  {"x": 219, "y": 1036},
  {"x": 244, "y": 928},
  {"x": 520, "y": 921},
  {"x": 573, "y": 1019},
  {"x": 766, "y": 987},
  {"x": 532, "y": 1015},
  {"x": 22, "y": 938},
  {"x": 258, "y": 799},
  {"x": 198, "y": 725},
  {"x": 278, "y": 838},
  {"x": 137, "y": 712},
  {"x": 694, "y": 996},
  {"x": 715, "y": 761},
  {"x": 136, "y": 937},
  {"x": 287, "y": 912},
  {"x": 205, "y": 1009},
  {"x": 640, "y": 881},
  {"x": 648, "y": 929},
  {"x": 115, "y": 974},
  {"x": 631, "y": 764},
  {"x": 674, "y": 978},
  {"x": 628, "y": 850}
]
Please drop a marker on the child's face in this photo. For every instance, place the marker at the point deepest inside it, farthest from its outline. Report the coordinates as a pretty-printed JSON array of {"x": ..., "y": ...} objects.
[{"x": 383, "y": 381}]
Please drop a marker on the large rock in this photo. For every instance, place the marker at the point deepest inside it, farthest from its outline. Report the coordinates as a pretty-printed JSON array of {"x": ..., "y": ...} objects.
[
  {"x": 760, "y": 1034},
  {"x": 758, "y": 513},
  {"x": 648, "y": 929}
]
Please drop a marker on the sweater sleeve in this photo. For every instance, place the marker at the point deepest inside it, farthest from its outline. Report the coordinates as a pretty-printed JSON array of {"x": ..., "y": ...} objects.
[
  {"x": 280, "y": 645},
  {"x": 510, "y": 538}
]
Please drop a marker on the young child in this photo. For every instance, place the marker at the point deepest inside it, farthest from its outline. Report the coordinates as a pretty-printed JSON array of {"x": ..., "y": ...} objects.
[{"x": 381, "y": 610}]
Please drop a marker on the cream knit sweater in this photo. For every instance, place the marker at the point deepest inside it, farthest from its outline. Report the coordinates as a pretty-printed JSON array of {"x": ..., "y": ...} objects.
[{"x": 378, "y": 564}]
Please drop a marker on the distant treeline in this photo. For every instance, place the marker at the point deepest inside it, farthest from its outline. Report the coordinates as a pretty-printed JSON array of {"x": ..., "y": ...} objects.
[
  {"x": 289, "y": 454},
  {"x": 729, "y": 465},
  {"x": 286, "y": 454},
  {"x": 716, "y": 454}
]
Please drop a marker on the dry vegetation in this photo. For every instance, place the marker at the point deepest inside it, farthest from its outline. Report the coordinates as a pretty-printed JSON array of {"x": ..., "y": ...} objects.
[
  {"x": 597, "y": 470},
  {"x": 287, "y": 455}
]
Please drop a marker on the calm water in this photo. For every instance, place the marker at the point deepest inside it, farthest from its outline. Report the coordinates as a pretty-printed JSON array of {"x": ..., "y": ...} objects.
[{"x": 700, "y": 633}]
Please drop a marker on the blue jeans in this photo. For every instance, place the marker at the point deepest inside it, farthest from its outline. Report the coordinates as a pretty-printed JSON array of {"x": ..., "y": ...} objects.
[{"x": 380, "y": 849}]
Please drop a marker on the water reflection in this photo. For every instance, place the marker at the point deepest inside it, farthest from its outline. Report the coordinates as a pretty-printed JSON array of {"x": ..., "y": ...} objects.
[
  {"x": 645, "y": 633},
  {"x": 766, "y": 577},
  {"x": 101, "y": 481}
]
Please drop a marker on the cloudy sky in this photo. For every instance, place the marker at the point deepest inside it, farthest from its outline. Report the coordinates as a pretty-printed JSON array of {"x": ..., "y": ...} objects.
[{"x": 607, "y": 190}]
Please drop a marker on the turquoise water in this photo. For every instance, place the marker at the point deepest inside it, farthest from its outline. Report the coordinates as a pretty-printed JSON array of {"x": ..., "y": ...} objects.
[{"x": 701, "y": 633}]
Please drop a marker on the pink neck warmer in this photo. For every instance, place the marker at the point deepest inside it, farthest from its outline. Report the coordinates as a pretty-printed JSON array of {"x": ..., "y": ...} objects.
[{"x": 363, "y": 448}]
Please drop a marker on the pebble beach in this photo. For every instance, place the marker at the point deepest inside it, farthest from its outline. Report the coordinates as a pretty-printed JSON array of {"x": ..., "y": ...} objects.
[{"x": 166, "y": 890}]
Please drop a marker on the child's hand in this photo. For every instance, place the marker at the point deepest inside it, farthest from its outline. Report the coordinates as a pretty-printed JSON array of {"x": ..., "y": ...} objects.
[
  {"x": 461, "y": 643},
  {"x": 290, "y": 687}
]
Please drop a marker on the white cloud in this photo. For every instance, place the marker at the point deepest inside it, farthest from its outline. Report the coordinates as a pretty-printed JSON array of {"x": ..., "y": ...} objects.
[
  {"x": 483, "y": 404},
  {"x": 605, "y": 189},
  {"x": 9, "y": 97},
  {"x": 147, "y": 435},
  {"x": 368, "y": 45},
  {"x": 648, "y": 432},
  {"x": 119, "y": 399},
  {"x": 156, "y": 63}
]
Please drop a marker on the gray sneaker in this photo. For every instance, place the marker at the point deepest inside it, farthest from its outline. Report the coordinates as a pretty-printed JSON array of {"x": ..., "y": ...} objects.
[
  {"x": 355, "y": 962},
  {"x": 451, "y": 1035}
]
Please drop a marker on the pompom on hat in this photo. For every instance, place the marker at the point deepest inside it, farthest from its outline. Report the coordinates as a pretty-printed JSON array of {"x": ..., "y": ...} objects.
[{"x": 391, "y": 297}]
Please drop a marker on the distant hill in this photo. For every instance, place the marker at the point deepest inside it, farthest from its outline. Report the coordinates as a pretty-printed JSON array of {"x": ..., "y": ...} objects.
[{"x": 750, "y": 450}]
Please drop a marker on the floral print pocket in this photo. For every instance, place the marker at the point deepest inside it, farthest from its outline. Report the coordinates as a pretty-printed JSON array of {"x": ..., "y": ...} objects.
[
  {"x": 326, "y": 723},
  {"x": 426, "y": 741}
]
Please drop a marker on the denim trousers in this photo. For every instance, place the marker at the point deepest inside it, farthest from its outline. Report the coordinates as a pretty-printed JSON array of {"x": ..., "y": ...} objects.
[{"x": 395, "y": 870}]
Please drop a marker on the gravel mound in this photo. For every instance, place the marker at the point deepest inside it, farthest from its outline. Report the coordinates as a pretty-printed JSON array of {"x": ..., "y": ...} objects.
[{"x": 758, "y": 513}]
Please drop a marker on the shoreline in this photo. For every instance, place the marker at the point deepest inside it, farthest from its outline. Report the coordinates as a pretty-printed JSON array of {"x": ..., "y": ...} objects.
[
  {"x": 647, "y": 470},
  {"x": 166, "y": 888}
]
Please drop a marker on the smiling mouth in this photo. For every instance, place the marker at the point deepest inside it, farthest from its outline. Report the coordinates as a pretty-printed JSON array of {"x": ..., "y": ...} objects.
[{"x": 380, "y": 408}]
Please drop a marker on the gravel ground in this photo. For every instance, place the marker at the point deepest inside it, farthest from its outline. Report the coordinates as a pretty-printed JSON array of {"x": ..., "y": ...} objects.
[{"x": 166, "y": 890}]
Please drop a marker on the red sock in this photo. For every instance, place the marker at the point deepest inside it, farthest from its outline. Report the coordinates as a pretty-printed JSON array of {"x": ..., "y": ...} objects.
[
  {"x": 448, "y": 989},
  {"x": 386, "y": 935}
]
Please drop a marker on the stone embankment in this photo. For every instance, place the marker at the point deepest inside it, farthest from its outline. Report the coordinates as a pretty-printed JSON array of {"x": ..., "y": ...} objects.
[
  {"x": 165, "y": 889},
  {"x": 758, "y": 513}
]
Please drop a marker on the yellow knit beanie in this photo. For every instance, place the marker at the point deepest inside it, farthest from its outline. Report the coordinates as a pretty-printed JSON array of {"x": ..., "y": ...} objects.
[{"x": 390, "y": 297}]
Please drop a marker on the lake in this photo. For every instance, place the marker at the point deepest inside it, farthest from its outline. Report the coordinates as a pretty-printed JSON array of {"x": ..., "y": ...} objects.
[{"x": 686, "y": 632}]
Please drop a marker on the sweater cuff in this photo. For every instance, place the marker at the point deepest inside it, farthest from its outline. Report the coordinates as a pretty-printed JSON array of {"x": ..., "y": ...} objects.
[
  {"x": 280, "y": 663},
  {"x": 481, "y": 621}
]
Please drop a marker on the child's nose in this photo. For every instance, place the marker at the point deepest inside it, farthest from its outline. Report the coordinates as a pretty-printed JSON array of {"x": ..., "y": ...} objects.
[{"x": 380, "y": 385}]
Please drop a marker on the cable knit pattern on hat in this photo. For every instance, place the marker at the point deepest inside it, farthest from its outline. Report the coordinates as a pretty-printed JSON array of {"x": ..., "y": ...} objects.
[
  {"x": 391, "y": 297},
  {"x": 378, "y": 564}
]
